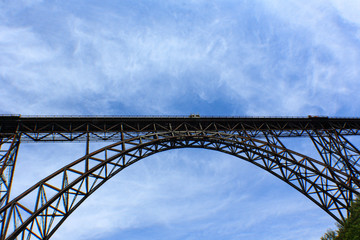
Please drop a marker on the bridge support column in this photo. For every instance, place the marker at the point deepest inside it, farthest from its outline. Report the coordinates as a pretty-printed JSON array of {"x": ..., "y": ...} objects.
[
  {"x": 8, "y": 152},
  {"x": 339, "y": 154}
]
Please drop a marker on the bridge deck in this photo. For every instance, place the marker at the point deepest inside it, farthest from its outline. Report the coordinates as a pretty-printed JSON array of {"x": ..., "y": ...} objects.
[{"x": 69, "y": 128}]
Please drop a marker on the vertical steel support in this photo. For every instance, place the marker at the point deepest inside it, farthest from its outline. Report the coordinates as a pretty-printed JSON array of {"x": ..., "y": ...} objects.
[
  {"x": 338, "y": 153},
  {"x": 87, "y": 151},
  {"x": 9, "y": 147},
  {"x": 123, "y": 144}
]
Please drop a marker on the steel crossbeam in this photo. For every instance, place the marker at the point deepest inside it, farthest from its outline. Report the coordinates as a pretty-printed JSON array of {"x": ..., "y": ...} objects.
[{"x": 331, "y": 182}]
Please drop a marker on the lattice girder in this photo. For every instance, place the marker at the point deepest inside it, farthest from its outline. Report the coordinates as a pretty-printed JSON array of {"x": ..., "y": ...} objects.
[
  {"x": 8, "y": 153},
  {"x": 337, "y": 152},
  {"x": 40, "y": 210},
  {"x": 111, "y": 128}
]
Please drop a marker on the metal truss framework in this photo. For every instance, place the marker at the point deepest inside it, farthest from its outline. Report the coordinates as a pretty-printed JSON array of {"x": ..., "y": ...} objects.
[
  {"x": 331, "y": 182},
  {"x": 8, "y": 152}
]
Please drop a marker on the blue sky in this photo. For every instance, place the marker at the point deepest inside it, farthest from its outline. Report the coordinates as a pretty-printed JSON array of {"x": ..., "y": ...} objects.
[{"x": 230, "y": 58}]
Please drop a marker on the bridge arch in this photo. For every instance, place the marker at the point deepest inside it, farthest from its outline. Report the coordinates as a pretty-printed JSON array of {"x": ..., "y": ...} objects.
[{"x": 40, "y": 210}]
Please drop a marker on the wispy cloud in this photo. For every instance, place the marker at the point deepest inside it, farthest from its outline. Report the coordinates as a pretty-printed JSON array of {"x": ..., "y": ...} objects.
[{"x": 280, "y": 58}]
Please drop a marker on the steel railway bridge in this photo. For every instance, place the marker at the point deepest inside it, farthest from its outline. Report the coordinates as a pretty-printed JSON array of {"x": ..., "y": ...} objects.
[{"x": 331, "y": 181}]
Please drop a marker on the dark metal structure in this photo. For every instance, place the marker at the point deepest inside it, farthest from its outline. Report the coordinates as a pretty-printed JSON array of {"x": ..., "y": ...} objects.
[{"x": 332, "y": 181}]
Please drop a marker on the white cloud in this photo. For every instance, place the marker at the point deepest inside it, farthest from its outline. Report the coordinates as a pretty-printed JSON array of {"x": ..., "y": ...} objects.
[
  {"x": 278, "y": 58},
  {"x": 349, "y": 10},
  {"x": 330, "y": 71}
]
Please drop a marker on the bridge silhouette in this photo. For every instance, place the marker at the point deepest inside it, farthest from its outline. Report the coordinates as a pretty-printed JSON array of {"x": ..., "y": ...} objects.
[{"x": 331, "y": 181}]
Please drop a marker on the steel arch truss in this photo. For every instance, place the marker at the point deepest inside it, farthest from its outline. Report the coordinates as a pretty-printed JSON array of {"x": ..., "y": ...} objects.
[{"x": 39, "y": 211}]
